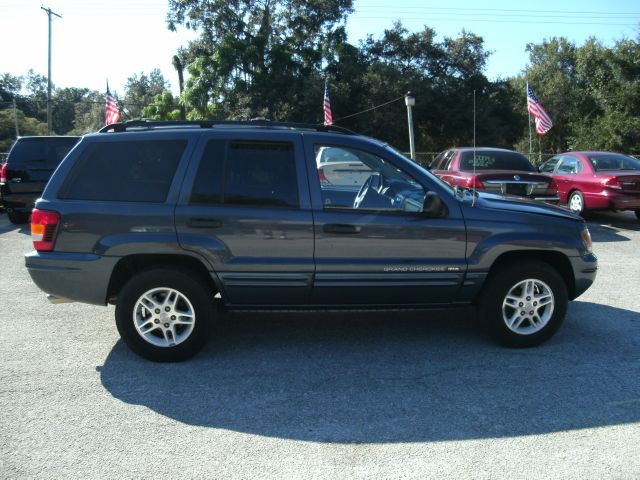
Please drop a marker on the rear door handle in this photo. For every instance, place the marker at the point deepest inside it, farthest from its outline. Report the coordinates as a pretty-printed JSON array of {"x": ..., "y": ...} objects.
[
  {"x": 204, "y": 223},
  {"x": 341, "y": 228}
]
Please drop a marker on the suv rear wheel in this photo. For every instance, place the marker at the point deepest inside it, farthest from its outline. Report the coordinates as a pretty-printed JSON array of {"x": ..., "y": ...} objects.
[
  {"x": 524, "y": 305},
  {"x": 164, "y": 315}
]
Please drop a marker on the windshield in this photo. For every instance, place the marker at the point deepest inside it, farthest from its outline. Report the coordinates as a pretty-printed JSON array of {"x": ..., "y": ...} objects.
[
  {"x": 613, "y": 161},
  {"x": 495, "y": 160}
]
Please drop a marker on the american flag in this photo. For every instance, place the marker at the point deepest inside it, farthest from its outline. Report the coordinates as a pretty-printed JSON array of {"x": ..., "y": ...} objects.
[
  {"x": 328, "y": 117},
  {"x": 111, "y": 112},
  {"x": 542, "y": 119}
]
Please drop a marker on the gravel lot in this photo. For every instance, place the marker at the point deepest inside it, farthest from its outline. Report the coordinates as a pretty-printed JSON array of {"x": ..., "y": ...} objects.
[{"x": 358, "y": 395}]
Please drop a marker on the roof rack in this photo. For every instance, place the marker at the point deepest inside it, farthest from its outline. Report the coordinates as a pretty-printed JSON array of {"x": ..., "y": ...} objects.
[{"x": 260, "y": 123}]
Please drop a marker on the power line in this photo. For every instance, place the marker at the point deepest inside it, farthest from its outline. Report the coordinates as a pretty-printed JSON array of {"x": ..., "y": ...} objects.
[{"x": 370, "y": 109}]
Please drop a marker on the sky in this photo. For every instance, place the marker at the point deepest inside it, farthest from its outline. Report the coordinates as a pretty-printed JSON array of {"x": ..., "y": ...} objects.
[{"x": 96, "y": 40}]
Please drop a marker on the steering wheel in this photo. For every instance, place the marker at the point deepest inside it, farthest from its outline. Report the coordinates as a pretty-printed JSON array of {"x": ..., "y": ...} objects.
[{"x": 364, "y": 189}]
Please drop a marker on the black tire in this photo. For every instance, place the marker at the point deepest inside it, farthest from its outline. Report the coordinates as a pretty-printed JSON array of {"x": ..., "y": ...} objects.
[
  {"x": 191, "y": 289},
  {"x": 18, "y": 218},
  {"x": 504, "y": 281},
  {"x": 637, "y": 212}
]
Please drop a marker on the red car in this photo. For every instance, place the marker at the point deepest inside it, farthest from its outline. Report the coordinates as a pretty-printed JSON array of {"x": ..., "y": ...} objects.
[
  {"x": 596, "y": 181},
  {"x": 497, "y": 170}
]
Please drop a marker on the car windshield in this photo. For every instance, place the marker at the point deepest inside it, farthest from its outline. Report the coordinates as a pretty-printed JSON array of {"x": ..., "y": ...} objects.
[
  {"x": 495, "y": 160},
  {"x": 613, "y": 161}
]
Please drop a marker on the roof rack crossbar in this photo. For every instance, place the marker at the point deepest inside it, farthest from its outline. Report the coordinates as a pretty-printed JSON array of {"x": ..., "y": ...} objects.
[{"x": 133, "y": 124}]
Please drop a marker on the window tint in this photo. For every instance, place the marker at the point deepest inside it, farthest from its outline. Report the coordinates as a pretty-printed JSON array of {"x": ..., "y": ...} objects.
[
  {"x": 495, "y": 160},
  {"x": 208, "y": 184},
  {"x": 124, "y": 171},
  {"x": 568, "y": 166},
  {"x": 45, "y": 152},
  {"x": 613, "y": 161},
  {"x": 370, "y": 183},
  {"x": 261, "y": 174},
  {"x": 549, "y": 166}
]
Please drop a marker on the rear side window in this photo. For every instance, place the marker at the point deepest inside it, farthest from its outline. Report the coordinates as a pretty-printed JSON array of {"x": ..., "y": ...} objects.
[
  {"x": 45, "y": 152},
  {"x": 255, "y": 173},
  {"x": 127, "y": 171}
]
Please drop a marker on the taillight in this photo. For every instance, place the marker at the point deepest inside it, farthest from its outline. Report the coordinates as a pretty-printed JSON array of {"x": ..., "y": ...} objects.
[
  {"x": 552, "y": 188},
  {"x": 323, "y": 178},
  {"x": 612, "y": 182},
  {"x": 3, "y": 173},
  {"x": 44, "y": 227},
  {"x": 474, "y": 182}
]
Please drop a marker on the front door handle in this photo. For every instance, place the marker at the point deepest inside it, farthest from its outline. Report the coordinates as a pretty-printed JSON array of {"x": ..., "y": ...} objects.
[
  {"x": 341, "y": 228},
  {"x": 204, "y": 223}
]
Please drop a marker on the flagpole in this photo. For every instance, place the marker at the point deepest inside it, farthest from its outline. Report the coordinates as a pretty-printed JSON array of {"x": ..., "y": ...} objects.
[{"x": 529, "y": 115}]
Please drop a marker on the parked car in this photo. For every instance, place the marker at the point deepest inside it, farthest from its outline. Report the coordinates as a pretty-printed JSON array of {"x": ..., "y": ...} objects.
[
  {"x": 494, "y": 170},
  {"x": 340, "y": 168},
  {"x": 168, "y": 220},
  {"x": 596, "y": 181},
  {"x": 30, "y": 163}
]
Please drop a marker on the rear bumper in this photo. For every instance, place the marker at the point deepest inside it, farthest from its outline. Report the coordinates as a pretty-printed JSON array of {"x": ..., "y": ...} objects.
[
  {"x": 584, "y": 271},
  {"x": 73, "y": 276},
  {"x": 610, "y": 200},
  {"x": 20, "y": 202}
]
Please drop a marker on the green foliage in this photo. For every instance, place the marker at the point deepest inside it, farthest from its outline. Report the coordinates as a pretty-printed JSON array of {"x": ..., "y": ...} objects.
[
  {"x": 591, "y": 92},
  {"x": 162, "y": 108},
  {"x": 140, "y": 90},
  {"x": 26, "y": 126}
]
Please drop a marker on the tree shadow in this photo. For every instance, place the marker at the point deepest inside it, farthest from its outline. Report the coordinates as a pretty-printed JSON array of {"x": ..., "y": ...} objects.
[{"x": 392, "y": 377}]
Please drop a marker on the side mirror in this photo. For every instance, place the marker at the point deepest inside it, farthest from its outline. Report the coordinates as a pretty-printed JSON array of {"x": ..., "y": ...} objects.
[{"x": 434, "y": 207}]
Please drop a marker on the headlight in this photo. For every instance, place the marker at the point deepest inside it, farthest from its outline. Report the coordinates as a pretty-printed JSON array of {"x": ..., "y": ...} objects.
[{"x": 586, "y": 240}]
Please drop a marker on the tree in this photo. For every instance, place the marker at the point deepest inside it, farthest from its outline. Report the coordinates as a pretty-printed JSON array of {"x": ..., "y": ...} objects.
[
  {"x": 26, "y": 125},
  {"x": 162, "y": 108},
  {"x": 140, "y": 90},
  {"x": 256, "y": 57}
]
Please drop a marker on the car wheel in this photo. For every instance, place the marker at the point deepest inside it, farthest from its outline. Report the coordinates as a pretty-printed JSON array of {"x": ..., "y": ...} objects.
[
  {"x": 18, "y": 218},
  {"x": 523, "y": 304},
  {"x": 576, "y": 203},
  {"x": 165, "y": 315},
  {"x": 638, "y": 214}
]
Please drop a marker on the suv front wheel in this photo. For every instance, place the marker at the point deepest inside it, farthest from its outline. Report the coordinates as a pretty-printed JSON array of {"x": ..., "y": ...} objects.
[
  {"x": 164, "y": 315},
  {"x": 524, "y": 305}
]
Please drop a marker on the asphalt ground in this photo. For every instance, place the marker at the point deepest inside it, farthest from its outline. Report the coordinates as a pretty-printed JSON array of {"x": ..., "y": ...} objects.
[{"x": 350, "y": 395}]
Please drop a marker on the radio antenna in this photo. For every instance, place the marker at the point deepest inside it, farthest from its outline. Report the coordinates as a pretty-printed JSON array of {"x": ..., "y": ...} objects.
[{"x": 473, "y": 202}]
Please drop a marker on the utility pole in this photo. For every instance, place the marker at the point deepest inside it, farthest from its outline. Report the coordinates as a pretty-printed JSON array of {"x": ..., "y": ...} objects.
[
  {"x": 49, "y": 13},
  {"x": 15, "y": 117},
  {"x": 410, "y": 101}
]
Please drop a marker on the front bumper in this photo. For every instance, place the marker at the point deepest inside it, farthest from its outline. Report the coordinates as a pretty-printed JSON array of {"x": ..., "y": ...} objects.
[
  {"x": 584, "y": 271},
  {"x": 80, "y": 277}
]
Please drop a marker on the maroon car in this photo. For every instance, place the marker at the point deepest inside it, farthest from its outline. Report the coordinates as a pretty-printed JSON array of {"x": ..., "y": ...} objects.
[
  {"x": 596, "y": 180},
  {"x": 494, "y": 170}
]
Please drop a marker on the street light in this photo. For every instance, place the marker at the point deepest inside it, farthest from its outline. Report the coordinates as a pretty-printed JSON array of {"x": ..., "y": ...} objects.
[{"x": 410, "y": 101}]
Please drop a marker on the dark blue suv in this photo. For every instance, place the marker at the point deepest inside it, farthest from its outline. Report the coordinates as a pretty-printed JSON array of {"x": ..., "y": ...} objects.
[{"x": 168, "y": 220}]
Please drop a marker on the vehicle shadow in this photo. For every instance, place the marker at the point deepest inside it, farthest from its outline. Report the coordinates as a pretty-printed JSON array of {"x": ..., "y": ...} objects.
[
  {"x": 397, "y": 377},
  {"x": 612, "y": 226}
]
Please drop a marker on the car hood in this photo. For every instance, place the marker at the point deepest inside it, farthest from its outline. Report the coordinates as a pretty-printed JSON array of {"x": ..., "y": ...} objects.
[{"x": 523, "y": 205}]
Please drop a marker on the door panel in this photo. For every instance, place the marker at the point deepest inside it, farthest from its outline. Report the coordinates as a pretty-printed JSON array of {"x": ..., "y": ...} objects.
[
  {"x": 245, "y": 210},
  {"x": 387, "y": 259},
  {"x": 383, "y": 250}
]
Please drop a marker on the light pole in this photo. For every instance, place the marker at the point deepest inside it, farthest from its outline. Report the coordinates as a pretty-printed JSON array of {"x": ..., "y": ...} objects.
[
  {"x": 410, "y": 101},
  {"x": 49, "y": 13}
]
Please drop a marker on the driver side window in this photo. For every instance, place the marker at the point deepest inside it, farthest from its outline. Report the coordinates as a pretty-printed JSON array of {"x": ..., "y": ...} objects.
[{"x": 353, "y": 179}]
